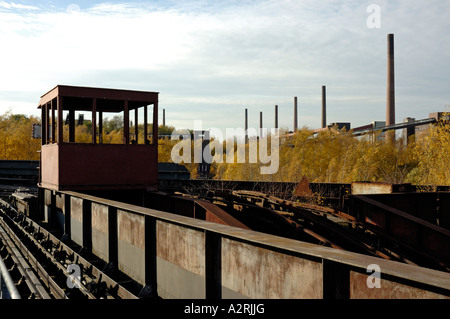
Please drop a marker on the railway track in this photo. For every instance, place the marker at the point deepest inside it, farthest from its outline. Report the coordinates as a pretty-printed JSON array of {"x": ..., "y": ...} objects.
[
  {"x": 44, "y": 267},
  {"x": 321, "y": 225}
]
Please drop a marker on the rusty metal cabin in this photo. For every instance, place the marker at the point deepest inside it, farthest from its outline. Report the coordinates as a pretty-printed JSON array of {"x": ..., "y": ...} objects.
[{"x": 70, "y": 165}]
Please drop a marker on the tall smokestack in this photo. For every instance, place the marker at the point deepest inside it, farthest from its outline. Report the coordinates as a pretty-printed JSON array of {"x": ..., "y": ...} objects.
[
  {"x": 164, "y": 117},
  {"x": 295, "y": 114},
  {"x": 324, "y": 106},
  {"x": 276, "y": 116},
  {"x": 246, "y": 126},
  {"x": 390, "y": 105},
  {"x": 260, "y": 125}
]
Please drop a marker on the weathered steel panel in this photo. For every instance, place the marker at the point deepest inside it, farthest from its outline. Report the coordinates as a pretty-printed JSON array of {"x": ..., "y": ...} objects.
[
  {"x": 131, "y": 244},
  {"x": 48, "y": 197},
  {"x": 180, "y": 261},
  {"x": 256, "y": 272},
  {"x": 50, "y": 166},
  {"x": 100, "y": 235},
  {"x": 175, "y": 282},
  {"x": 76, "y": 220},
  {"x": 387, "y": 289},
  {"x": 59, "y": 201}
]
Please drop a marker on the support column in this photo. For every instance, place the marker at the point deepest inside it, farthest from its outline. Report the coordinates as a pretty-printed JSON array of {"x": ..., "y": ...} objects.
[
  {"x": 213, "y": 265},
  {"x": 53, "y": 137},
  {"x": 44, "y": 130},
  {"x": 126, "y": 124},
  {"x": 94, "y": 121},
  {"x": 136, "y": 128},
  {"x": 48, "y": 123},
  {"x": 100, "y": 127},
  {"x": 60, "y": 120},
  {"x": 145, "y": 124},
  {"x": 72, "y": 125},
  {"x": 155, "y": 127}
]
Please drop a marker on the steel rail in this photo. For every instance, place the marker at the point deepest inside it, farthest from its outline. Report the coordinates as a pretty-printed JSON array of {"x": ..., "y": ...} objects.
[
  {"x": 6, "y": 278},
  {"x": 41, "y": 271},
  {"x": 90, "y": 272},
  {"x": 36, "y": 288}
]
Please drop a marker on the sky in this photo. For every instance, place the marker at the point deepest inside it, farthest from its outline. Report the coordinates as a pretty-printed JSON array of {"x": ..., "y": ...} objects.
[{"x": 210, "y": 60}]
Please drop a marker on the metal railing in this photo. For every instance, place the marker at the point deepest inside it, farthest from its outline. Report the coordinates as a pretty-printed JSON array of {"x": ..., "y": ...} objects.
[{"x": 8, "y": 289}]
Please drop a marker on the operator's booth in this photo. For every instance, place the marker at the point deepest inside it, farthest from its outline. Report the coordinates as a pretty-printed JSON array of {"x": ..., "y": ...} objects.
[{"x": 96, "y": 164}]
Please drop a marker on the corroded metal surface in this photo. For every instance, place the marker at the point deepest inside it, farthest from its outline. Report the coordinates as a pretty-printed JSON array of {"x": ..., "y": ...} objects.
[
  {"x": 67, "y": 165},
  {"x": 179, "y": 256},
  {"x": 255, "y": 272}
]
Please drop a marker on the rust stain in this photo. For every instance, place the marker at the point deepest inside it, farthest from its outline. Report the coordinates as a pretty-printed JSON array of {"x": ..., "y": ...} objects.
[
  {"x": 261, "y": 273},
  {"x": 131, "y": 228},
  {"x": 388, "y": 289},
  {"x": 186, "y": 251},
  {"x": 100, "y": 217},
  {"x": 76, "y": 210}
]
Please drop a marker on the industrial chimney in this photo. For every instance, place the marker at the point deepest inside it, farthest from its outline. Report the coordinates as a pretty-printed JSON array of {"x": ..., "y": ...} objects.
[
  {"x": 324, "y": 107},
  {"x": 390, "y": 99},
  {"x": 246, "y": 126},
  {"x": 276, "y": 116},
  {"x": 295, "y": 114},
  {"x": 390, "y": 103},
  {"x": 260, "y": 125}
]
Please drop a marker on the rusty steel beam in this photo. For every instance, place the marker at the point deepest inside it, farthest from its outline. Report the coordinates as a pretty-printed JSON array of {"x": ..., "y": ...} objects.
[
  {"x": 317, "y": 228},
  {"x": 186, "y": 205},
  {"x": 421, "y": 237},
  {"x": 215, "y": 214},
  {"x": 267, "y": 220}
]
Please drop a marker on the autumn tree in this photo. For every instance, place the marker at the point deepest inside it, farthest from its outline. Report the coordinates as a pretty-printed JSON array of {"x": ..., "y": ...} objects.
[
  {"x": 16, "y": 141},
  {"x": 432, "y": 156},
  {"x": 331, "y": 156}
]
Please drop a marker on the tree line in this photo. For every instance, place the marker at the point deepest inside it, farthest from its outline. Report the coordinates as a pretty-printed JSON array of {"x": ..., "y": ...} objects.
[
  {"x": 332, "y": 156},
  {"x": 337, "y": 156}
]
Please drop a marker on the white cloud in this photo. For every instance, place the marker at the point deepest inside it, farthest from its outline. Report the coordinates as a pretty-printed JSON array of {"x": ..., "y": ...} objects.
[
  {"x": 12, "y": 5},
  {"x": 219, "y": 57}
]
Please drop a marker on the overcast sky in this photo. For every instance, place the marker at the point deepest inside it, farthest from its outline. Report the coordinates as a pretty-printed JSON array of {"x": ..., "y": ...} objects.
[{"x": 212, "y": 59}]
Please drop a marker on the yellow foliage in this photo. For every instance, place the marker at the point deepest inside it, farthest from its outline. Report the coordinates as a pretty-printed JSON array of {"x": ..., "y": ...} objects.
[
  {"x": 433, "y": 157},
  {"x": 339, "y": 157},
  {"x": 16, "y": 141},
  {"x": 329, "y": 157}
]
